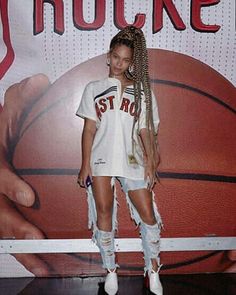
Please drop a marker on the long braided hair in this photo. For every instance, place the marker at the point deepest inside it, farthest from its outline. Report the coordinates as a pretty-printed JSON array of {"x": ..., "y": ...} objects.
[{"x": 134, "y": 38}]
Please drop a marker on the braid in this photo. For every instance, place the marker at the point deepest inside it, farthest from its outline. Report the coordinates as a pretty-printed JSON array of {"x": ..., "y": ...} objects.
[{"x": 134, "y": 38}]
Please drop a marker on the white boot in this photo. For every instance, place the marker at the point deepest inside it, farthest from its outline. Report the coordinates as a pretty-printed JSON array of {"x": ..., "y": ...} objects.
[
  {"x": 154, "y": 283},
  {"x": 111, "y": 282}
]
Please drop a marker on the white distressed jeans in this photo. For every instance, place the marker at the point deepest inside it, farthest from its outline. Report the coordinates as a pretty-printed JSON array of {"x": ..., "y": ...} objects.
[{"x": 150, "y": 234}]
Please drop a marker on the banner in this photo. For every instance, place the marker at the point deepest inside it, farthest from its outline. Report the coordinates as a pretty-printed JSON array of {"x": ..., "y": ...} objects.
[{"x": 192, "y": 57}]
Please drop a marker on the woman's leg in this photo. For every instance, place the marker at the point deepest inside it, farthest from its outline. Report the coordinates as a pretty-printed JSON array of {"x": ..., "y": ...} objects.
[
  {"x": 142, "y": 200},
  {"x": 104, "y": 234},
  {"x": 104, "y": 198},
  {"x": 149, "y": 227}
]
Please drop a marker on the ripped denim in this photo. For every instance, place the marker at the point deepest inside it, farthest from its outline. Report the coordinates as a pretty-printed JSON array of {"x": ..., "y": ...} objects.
[
  {"x": 150, "y": 234},
  {"x": 105, "y": 243}
]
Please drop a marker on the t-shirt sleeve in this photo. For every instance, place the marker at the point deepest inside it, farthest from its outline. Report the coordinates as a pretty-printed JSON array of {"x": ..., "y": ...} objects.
[
  {"x": 156, "y": 119},
  {"x": 86, "y": 108}
]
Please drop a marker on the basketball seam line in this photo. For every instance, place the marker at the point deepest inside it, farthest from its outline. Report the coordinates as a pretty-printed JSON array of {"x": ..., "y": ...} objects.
[
  {"x": 184, "y": 86},
  {"x": 161, "y": 174}
]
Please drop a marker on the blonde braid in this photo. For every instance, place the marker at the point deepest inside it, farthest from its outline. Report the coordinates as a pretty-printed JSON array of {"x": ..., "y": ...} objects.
[
  {"x": 140, "y": 75},
  {"x": 141, "y": 79}
]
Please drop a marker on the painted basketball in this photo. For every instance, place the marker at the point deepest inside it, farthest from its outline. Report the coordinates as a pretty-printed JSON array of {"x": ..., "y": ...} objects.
[{"x": 198, "y": 159}]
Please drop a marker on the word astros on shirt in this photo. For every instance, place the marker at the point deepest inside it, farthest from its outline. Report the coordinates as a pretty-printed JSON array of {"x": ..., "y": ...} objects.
[{"x": 106, "y": 103}]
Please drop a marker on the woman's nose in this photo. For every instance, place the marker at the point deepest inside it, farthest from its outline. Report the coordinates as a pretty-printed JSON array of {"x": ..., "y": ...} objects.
[{"x": 119, "y": 62}]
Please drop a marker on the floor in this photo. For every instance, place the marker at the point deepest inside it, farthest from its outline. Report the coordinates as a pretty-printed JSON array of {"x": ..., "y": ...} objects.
[{"x": 204, "y": 284}]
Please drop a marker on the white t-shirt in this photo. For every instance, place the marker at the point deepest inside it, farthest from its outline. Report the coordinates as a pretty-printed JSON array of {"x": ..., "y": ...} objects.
[{"x": 113, "y": 112}]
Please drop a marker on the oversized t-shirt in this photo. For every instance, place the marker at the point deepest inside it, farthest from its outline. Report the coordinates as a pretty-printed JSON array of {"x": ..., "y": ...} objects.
[{"x": 113, "y": 112}]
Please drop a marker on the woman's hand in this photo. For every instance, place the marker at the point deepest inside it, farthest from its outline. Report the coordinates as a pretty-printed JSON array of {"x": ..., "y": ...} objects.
[
  {"x": 150, "y": 173},
  {"x": 85, "y": 176}
]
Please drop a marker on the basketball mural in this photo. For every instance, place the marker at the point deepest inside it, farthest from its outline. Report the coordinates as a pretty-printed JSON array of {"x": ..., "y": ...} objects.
[{"x": 41, "y": 135}]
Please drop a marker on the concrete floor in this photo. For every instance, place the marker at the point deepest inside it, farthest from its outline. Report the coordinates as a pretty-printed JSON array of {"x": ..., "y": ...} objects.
[{"x": 202, "y": 284}]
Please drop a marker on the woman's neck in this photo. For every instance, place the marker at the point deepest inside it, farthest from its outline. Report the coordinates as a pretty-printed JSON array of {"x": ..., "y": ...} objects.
[{"x": 122, "y": 78}]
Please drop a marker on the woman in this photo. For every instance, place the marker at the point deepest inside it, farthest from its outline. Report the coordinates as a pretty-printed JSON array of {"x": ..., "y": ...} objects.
[{"x": 119, "y": 142}]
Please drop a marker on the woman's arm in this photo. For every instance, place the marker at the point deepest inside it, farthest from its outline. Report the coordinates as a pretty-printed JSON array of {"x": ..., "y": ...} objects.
[
  {"x": 88, "y": 134},
  {"x": 151, "y": 156}
]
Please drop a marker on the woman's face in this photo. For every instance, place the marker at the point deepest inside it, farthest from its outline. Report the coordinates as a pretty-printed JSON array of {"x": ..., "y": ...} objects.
[{"x": 121, "y": 57}]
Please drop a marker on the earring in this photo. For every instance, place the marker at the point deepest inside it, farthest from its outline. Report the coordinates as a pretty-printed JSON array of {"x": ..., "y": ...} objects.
[
  {"x": 108, "y": 62},
  {"x": 131, "y": 69}
]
